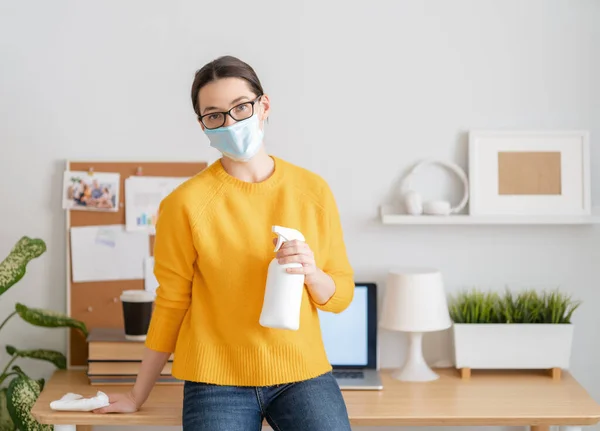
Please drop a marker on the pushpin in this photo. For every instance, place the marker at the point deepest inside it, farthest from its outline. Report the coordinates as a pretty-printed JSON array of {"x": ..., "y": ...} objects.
[{"x": 139, "y": 171}]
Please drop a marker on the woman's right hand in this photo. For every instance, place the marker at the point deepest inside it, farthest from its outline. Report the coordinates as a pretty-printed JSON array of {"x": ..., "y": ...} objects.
[
  {"x": 119, "y": 403},
  {"x": 128, "y": 402}
]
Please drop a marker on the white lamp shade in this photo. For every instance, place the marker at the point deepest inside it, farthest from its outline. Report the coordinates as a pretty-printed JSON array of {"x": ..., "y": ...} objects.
[{"x": 415, "y": 301}]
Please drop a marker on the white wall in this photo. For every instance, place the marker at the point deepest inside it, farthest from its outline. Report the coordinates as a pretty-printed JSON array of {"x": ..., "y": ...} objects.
[{"x": 360, "y": 90}]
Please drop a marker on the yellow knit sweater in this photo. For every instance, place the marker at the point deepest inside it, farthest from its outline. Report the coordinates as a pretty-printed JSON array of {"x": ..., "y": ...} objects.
[{"x": 213, "y": 246}]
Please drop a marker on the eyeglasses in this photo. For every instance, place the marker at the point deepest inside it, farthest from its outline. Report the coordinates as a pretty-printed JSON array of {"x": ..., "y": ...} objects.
[{"x": 240, "y": 112}]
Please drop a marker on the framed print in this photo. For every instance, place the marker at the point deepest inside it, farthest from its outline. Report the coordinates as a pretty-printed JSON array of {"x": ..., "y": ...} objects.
[{"x": 529, "y": 173}]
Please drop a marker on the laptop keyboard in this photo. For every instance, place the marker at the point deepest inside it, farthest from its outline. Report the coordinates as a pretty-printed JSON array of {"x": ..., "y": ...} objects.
[{"x": 346, "y": 374}]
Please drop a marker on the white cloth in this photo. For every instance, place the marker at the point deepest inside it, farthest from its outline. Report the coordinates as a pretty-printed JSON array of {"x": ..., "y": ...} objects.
[{"x": 77, "y": 403}]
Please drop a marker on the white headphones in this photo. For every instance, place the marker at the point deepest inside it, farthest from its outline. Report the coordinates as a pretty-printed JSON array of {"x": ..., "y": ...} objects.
[{"x": 413, "y": 201}]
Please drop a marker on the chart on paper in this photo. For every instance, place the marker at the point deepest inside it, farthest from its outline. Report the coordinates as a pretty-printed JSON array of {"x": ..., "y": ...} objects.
[
  {"x": 143, "y": 196},
  {"x": 145, "y": 219}
]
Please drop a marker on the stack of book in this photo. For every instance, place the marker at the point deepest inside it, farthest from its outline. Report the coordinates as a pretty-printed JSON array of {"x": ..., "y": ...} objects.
[{"x": 114, "y": 360}]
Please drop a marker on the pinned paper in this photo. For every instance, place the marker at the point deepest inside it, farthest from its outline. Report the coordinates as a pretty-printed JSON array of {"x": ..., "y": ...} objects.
[
  {"x": 143, "y": 196},
  {"x": 91, "y": 191},
  {"x": 150, "y": 281},
  {"x": 105, "y": 253}
]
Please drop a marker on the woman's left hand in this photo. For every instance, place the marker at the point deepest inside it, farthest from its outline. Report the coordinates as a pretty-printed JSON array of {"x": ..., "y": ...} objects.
[
  {"x": 299, "y": 252},
  {"x": 320, "y": 285}
]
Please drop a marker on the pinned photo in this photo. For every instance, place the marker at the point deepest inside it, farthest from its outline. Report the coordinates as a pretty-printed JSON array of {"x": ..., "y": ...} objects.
[{"x": 91, "y": 191}]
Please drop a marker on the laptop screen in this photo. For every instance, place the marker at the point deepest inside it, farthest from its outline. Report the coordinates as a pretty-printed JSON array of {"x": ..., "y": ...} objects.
[{"x": 345, "y": 335}]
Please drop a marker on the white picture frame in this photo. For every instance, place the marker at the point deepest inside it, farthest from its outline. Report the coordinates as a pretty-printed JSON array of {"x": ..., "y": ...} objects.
[{"x": 567, "y": 151}]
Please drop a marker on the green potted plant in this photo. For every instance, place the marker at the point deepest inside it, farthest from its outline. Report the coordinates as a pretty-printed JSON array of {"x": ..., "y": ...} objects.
[
  {"x": 524, "y": 330},
  {"x": 18, "y": 391}
]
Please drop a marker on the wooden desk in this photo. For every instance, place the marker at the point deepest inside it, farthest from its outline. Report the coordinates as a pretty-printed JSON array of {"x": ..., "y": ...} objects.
[{"x": 486, "y": 399}]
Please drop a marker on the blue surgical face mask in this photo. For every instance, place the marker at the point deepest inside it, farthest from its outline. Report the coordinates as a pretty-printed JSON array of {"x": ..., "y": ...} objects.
[{"x": 240, "y": 141}]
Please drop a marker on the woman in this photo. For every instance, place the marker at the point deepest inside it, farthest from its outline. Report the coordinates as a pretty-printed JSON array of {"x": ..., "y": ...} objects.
[{"x": 213, "y": 246}]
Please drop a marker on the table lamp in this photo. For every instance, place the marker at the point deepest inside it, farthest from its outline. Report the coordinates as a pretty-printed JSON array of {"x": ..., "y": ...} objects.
[{"x": 415, "y": 302}]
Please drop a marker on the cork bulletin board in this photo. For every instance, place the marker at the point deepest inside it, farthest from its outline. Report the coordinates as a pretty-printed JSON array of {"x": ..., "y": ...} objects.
[
  {"x": 97, "y": 303},
  {"x": 529, "y": 173}
]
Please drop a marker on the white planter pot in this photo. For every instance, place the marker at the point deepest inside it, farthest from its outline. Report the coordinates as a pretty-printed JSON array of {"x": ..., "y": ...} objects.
[{"x": 512, "y": 346}]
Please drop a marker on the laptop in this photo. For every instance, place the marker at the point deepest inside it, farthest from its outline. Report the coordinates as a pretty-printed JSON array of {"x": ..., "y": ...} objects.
[{"x": 350, "y": 339}]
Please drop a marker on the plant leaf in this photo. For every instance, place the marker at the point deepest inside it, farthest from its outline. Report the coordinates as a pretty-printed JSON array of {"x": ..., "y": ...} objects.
[
  {"x": 13, "y": 267},
  {"x": 18, "y": 369},
  {"x": 11, "y": 350},
  {"x": 57, "y": 358},
  {"x": 6, "y": 423},
  {"x": 21, "y": 395},
  {"x": 48, "y": 319},
  {"x": 527, "y": 307}
]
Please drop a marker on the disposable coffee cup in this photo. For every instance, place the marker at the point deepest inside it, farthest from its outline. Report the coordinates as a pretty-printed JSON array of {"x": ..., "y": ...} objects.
[{"x": 137, "y": 311}]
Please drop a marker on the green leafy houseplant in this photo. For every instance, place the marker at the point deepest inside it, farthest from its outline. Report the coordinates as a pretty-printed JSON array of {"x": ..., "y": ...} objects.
[
  {"x": 529, "y": 306},
  {"x": 18, "y": 392}
]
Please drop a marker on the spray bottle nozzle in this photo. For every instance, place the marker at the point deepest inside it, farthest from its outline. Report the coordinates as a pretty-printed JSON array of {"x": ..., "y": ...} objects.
[
  {"x": 280, "y": 240},
  {"x": 286, "y": 234}
]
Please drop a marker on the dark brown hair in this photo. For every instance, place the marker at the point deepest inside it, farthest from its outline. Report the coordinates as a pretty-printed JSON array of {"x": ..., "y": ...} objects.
[{"x": 224, "y": 67}]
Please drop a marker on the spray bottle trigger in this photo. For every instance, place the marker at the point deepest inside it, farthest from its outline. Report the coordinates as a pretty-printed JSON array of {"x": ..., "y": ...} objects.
[{"x": 280, "y": 240}]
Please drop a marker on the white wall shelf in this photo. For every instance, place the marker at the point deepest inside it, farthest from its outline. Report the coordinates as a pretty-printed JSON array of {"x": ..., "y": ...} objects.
[{"x": 389, "y": 217}]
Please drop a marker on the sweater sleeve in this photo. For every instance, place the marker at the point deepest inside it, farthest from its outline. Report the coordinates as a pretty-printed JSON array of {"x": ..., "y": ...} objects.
[
  {"x": 336, "y": 265},
  {"x": 174, "y": 257}
]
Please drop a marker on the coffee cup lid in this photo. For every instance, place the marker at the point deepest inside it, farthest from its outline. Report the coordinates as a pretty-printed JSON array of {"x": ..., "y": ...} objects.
[{"x": 137, "y": 295}]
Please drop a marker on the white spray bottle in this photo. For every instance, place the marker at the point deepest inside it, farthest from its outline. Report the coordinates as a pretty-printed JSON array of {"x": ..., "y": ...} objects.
[{"x": 283, "y": 293}]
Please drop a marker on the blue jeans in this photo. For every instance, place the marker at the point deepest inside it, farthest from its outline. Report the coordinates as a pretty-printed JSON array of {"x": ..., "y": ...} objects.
[{"x": 311, "y": 405}]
